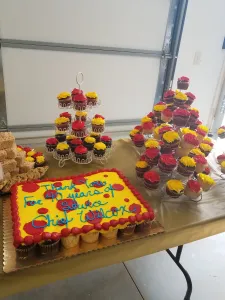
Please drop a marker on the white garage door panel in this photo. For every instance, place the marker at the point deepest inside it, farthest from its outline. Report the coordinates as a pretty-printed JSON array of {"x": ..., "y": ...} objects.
[
  {"x": 120, "y": 23},
  {"x": 33, "y": 78}
]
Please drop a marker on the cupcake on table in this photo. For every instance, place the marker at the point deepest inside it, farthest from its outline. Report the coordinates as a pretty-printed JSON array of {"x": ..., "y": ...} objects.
[
  {"x": 196, "y": 151},
  {"x": 96, "y": 135},
  {"x": 105, "y": 139},
  {"x": 151, "y": 143},
  {"x": 139, "y": 140},
  {"x": 79, "y": 129},
  {"x": 181, "y": 117},
  {"x": 51, "y": 144},
  {"x": 189, "y": 141},
  {"x": 99, "y": 149},
  {"x": 221, "y": 132},
  {"x": 40, "y": 161},
  {"x": 193, "y": 189},
  {"x": 89, "y": 143},
  {"x": 151, "y": 180},
  {"x": 180, "y": 99},
  {"x": 64, "y": 99},
  {"x": 139, "y": 128},
  {"x": 183, "y": 83},
  {"x": 69, "y": 138},
  {"x": 60, "y": 136},
  {"x": 62, "y": 123},
  {"x": 62, "y": 149},
  {"x": 79, "y": 101},
  {"x": 167, "y": 163},
  {"x": 98, "y": 123},
  {"x": 186, "y": 166},
  {"x": 194, "y": 115},
  {"x": 148, "y": 127},
  {"x": 208, "y": 140},
  {"x": 171, "y": 139},
  {"x": 141, "y": 168},
  {"x": 75, "y": 92},
  {"x": 201, "y": 163},
  {"x": 166, "y": 115},
  {"x": 66, "y": 115},
  {"x": 174, "y": 188},
  {"x": 205, "y": 148},
  {"x": 152, "y": 156},
  {"x": 92, "y": 98},
  {"x": 145, "y": 119},
  {"x": 205, "y": 181}
]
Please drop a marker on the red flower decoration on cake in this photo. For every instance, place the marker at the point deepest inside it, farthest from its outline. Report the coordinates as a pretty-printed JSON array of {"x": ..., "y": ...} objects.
[
  {"x": 135, "y": 208},
  {"x": 152, "y": 176},
  {"x": 191, "y": 139},
  {"x": 194, "y": 186}
]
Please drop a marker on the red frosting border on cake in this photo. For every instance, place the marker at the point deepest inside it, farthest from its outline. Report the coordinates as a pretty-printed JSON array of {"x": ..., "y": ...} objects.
[{"x": 149, "y": 215}]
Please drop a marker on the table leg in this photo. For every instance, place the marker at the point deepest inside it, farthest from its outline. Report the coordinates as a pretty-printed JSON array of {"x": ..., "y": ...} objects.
[{"x": 176, "y": 259}]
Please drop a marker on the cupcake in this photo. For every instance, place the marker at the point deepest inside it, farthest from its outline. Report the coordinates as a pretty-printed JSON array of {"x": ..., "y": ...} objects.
[
  {"x": 31, "y": 153},
  {"x": 128, "y": 231},
  {"x": 152, "y": 116},
  {"x": 186, "y": 166},
  {"x": 60, "y": 136},
  {"x": 90, "y": 237},
  {"x": 201, "y": 131},
  {"x": 89, "y": 143},
  {"x": 151, "y": 143},
  {"x": 62, "y": 149},
  {"x": 171, "y": 139},
  {"x": 75, "y": 143},
  {"x": 66, "y": 115},
  {"x": 151, "y": 180},
  {"x": 81, "y": 152},
  {"x": 62, "y": 123},
  {"x": 132, "y": 133},
  {"x": 110, "y": 234},
  {"x": 222, "y": 165},
  {"x": 92, "y": 98},
  {"x": 194, "y": 115},
  {"x": 75, "y": 92},
  {"x": 183, "y": 83},
  {"x": 180, "y": 100},
  {"x": 221, "y": 132},
  {"x": 69, "y": 138},
  {"x": 196, "y": 151},
  {"x": 79, "y": 101},
  {"x": 166, "y": 115},
  {"x": 105, "y": 139},
  {"x": 164, "y": 129},
  {"x": 165, "y": 149},
  {"x": 193, "y": 189},
  {"x": 185, "y": 130},
  {"x": 98, "y": 124},
  {"x": 139, "y": 128},
  {"x": 145, "y": 120},
  {"x": 193, "y": 126},
  {"x": 138, "y": 140},
  {"x": 79, "y": 128},
  {"x": 50, "y": 243},
  {"x": 167, "y": 163},
  {"x": 141, "y": 168},
  {"x": 205, "y": 148},
  {"x": 191, "y": 98},
  {"x": 70, "y": 238},
  {"x": 180, "y": 151},
  {"x": 189, "y": 141},
  {"x": 205, "y": 181},
  {"x": 40, "y": 161},
  {"x": 152, "y": 156},
  {"x": 81, "y": 115},
  {"x": 201, "y": 163},
  {"x": 64, "y": 99},
  {"x": 148, "y": 127},
  {"x": 174, "y": 188},
  {"x": 51, "y": 144},
  {"x": 96, "y": 135},
  {"x": 99, "y": 149},
  {"x": 180, "y": 117},
  {"x": 168, "y": 97},
  {"x": 29, "y": 159},
  {"x": 26, "y": 249},
  {"x": 221, "y": 158},
  {"x": 158, "y": 108},
  {"x": 208, "y": 141}
]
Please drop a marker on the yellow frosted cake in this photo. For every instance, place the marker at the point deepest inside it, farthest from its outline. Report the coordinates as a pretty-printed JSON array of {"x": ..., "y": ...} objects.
[{"x": 87, "y": 205}]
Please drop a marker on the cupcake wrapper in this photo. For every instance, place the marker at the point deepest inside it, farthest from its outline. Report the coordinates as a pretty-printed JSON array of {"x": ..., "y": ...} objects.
[
  {"x": 91, "y": 237},
  {"x": 144, "y": 226},
  {"x": 111, "y": 234},
  {"x": 49, "y": 248},
  {"x": 25, "y": 251},
  {"x": 70, "y": 241},
  {"x": 129, "y": 230},
  {"x": 182, "y": 85},
  {"x": 173, "y": 194},
  {"x": 150, "y": 185},
  {"x": 185, "y": 171}
]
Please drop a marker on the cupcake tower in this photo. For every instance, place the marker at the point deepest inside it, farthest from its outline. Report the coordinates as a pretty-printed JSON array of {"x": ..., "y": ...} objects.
[
  {"x": 72, "y": 138},
  {"x": 173, "y": 146}
]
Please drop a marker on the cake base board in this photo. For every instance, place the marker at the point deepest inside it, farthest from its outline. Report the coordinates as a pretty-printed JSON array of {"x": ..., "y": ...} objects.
[{"x": 12, "y": 264}]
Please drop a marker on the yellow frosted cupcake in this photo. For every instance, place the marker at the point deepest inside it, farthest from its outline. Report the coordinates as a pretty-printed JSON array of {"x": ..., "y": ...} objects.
[
  {"x": 201, "y": 131},
  {"x": 146, "y": 119},
  {"x": 171, "y": 139},
  {"x": 64, "y": 99},
  {"x": 158, "y": 108},
  {"x": 196, "y": 151},
  {"x": 62, "y": 149},
  {"x": 98, "y": 123},
  {"x": 174, "y": 188},
  {"x": 62, "y": 123},
  {"x": 40, "y": 161},
  {"x": 141, "y": 167},
  {"x": 92, "y": 98},
  {"x": 81, "y": 115},
  {"x": 221, "y": 132},
  {"x": 205, "y": 148},
  {"x": 151, "y": 143},
  {"x": 205, "y": 181},
  {"x": 180, "y": 99},
  {"x": 133, "y": 132},
  {"x": 99, "y": 149},
  {"x": 186, "y": 166},
  {"x": 89, "y": 142}
]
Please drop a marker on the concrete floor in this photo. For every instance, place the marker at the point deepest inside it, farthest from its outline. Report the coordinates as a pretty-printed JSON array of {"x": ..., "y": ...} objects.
[{"x": 153, "y": 277}]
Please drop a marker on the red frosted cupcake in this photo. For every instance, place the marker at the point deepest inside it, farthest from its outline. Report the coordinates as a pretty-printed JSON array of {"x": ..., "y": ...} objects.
[
  {"x": 105, "y": 139},
  {"x": 79, "y": 128},
  {"x": 168, "y": 97},
  {"x": 183, "y": 83},
  {"x": 138, "y": 128},
  {"x": 166, "y": 115},
  {"x": 139, "y": 140},
  {"x": 81, "y": 152},
  {"x": 180, "y": 117},
  {"x": 193, "y": 189},
  {"x": 148, "y": 127},
  {"x": 151, "y": 180},
  {"x": 152, "y": 156},
  {"x": 191, "y": 98},
  {"x": 66, "y": 115},
  {"x": 194, "y": 115},
  {"x": 51, "y": 144},
  {"x": 201, "y": 163},
  {"x": 189, "y": 141},
  {"x": 76, "y": 92},
  {"x": 74, "y": 144},
  {"x": 167, "y": 163},
  {"x": 79, "y": 101},
  {"x": 152, "y": 116}
]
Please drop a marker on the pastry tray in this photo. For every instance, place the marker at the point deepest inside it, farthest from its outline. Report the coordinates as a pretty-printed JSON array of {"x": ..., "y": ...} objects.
[{"x": 11, "y": 263}]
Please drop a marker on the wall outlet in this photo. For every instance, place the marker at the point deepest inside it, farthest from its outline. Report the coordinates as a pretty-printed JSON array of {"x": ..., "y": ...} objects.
[{"x": 197, "y": 58}]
